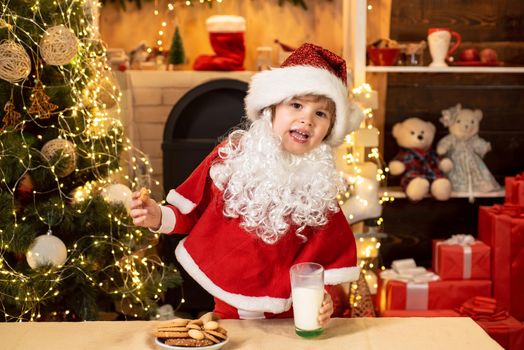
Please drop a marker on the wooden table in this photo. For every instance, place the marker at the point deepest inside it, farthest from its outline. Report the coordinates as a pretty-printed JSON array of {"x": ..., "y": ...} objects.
[{"x": 357, "y": 333}]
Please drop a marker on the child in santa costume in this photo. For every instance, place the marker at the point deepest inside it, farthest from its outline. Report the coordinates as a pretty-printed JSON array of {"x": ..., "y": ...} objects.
[{"x": 265, "y": 198}]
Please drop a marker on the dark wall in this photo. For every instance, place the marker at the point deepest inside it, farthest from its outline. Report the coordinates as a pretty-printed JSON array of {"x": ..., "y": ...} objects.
[
  {"x": 482, "y": 24},
  {"x": 475, "y": 20}
]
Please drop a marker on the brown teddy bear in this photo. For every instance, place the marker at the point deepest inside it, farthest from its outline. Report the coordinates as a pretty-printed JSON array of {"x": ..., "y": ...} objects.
[{"x": 421, "y": 169}]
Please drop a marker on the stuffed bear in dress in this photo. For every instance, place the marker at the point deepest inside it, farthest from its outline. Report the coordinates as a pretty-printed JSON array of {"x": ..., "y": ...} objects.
[
  {"x": 422, "y": 170},
  {"x": 466, "y": 150}
]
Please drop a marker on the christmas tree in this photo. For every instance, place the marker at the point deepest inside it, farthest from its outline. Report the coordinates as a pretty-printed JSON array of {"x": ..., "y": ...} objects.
[
  {"x": 176, "y": 52},
  {"x": 68, "y": 249}
]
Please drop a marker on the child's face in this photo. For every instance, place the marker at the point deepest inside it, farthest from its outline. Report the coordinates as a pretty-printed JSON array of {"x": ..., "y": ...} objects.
[{"x": 302, "y": 123}]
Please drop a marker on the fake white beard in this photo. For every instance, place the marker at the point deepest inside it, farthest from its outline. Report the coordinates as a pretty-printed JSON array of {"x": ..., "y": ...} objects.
[{"x": 271, "y": 189}]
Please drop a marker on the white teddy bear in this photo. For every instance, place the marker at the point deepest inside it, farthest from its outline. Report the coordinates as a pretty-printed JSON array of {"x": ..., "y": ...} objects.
[
  {"x": 422, "y": 169},
  {"x": 466, "y": 150}
]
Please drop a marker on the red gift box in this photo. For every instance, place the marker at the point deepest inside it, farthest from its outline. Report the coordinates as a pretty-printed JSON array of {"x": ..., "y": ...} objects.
[
  {"x": 457, "y": 262},
  {"x": 515, "y": 189},
  {"x": 420, "y": 313},
  {"x": 509, "y": 333},
  {"x": 399, "y": 295},
  {"x": 502, "y": 228}
]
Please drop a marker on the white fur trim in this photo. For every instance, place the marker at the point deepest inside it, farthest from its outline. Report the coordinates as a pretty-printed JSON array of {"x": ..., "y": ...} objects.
[
  {"x": 271, "y": 87},
  {"x": 168, "y": 221},
  {"x": 225, "y": 24},
  {"x": 180, "y": 202},
  {"x": 239, "y": 301},
  {"x": 341, "y": 275},
  {"x": 250, "y": 315}
]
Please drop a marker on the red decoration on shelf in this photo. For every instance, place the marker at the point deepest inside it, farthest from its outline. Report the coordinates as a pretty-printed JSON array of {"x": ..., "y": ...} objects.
[{"x": 502, "y": 228}]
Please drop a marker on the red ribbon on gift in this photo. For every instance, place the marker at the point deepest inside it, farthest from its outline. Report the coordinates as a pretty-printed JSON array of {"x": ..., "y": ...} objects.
[
  {"x": 483, "y": 309},
  {"x": 520, "y": 177},
  {"x": 515, "y": 211}
]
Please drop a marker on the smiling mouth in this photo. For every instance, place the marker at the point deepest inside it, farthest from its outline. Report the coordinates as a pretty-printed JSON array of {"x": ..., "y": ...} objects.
[{"x": 299, "y": 135}]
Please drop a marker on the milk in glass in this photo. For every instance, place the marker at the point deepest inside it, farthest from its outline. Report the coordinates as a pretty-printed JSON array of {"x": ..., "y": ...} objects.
[{"x": 306, "y": 303}]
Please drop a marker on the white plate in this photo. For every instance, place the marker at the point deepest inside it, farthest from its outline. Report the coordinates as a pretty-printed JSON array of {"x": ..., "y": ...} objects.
[{"x": 209, "y": 347}]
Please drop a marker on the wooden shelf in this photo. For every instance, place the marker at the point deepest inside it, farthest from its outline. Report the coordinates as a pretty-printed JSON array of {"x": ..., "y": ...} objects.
[
  {"x": 455, "y": 69},
  {"x": 396, "y": 192}
]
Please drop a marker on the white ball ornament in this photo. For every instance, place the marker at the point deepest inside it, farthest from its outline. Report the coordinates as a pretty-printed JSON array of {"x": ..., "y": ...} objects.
[
  {"x": 46, "y": 250},
  {"x": 59, "y": 45},
  {"x": 118, "y": 193},
  {"x": 15, "y": 64},
  {"x": 66, "y": 149}
]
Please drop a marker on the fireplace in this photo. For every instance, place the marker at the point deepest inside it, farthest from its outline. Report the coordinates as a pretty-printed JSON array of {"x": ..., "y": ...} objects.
[{"x": 196, "y": 123}]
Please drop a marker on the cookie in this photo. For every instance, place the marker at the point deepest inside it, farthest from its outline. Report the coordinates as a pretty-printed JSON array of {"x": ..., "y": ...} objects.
[
  {"x": 221, "y": 330},
  {"x": 197, "y": 321},
  {"x": 207, "y": 317},
  {"x": 193, "y": 326},
  {"x": 217, "y": 334},
  {"x": 212, "y": 338},
  {"x": 211, "y": 325},
  {"x": 170, "y": 334},
  {"x": 188, "y": 342},
  {"x": 190, "y": 333},
  {"x": 172, "y": 329},
  {"x": 144, "y": 194},
  {"x": 193, "y": 333},
  {"x": 181, "y": 322}
]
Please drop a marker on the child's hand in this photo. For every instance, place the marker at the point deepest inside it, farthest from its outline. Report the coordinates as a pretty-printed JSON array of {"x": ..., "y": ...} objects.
[
  {"x": 326, "y": 310},
  {"x": 145, "y": 212}
]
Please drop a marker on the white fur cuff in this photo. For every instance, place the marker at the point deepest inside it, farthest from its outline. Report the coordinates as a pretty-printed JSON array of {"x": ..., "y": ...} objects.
[
  {"x": 342, "y": 275},
  {"x": 226, "y": 24},
  {"x": 168, "y": 221},
  {"x": 180, "y": 202}
]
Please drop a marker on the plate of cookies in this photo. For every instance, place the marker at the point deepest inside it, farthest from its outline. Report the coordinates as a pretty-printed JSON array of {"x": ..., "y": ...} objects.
[{"x": 183, "y": 334}]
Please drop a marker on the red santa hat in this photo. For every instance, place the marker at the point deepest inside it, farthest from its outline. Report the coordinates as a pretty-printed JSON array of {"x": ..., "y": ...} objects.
[{"x": 309, "y": 70}]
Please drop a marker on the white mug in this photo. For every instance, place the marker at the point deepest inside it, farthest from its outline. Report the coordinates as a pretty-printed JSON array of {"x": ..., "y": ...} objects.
[{"x": 439, "y": 40}]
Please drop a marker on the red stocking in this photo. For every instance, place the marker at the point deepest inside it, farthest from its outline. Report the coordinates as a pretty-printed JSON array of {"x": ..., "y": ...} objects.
[{"x": 227, "y": 40}]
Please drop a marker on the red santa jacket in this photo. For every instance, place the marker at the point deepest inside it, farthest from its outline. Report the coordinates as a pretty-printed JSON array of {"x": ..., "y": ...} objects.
[{"x": 238, "y": 267}]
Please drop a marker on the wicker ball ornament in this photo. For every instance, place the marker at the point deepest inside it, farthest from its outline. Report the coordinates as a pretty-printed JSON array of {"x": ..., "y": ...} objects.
[
  {"x": 118, "y": 193},
  {"x": 67, "y": 155},
  {"x": 108, "y": 92},
  {"x": 15, "y": 64},
  {"x": 58, "y": 46},
  {"x": 46, "y": 250}
]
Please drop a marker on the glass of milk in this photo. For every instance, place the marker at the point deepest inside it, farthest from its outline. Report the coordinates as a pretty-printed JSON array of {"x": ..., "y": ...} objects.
[{"x": 307, "y": 291}]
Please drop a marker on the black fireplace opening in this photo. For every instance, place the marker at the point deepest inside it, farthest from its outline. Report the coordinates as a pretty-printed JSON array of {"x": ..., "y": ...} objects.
[{"x": 194, "y": 127}]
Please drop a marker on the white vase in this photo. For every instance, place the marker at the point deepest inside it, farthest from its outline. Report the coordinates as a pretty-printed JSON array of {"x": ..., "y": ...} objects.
[{"x": 439, "y": 40}]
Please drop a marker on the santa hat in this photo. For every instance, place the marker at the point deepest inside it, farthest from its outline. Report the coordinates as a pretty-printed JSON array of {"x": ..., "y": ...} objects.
[{"x": 309, "y": 70}]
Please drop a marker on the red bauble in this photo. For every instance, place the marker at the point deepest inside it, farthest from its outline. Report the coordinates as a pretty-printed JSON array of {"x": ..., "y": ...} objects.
[
  {"x": 24, "y": 191},
  {"x": 488, "y": 56},
  {"x": 469, "y": 55}
]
